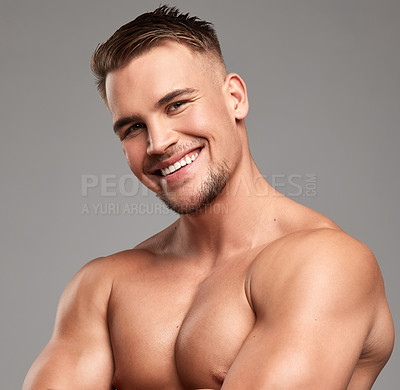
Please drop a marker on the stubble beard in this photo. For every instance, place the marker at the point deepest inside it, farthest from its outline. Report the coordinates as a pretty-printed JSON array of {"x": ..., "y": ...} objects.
[{"x": 212, "y": 186}]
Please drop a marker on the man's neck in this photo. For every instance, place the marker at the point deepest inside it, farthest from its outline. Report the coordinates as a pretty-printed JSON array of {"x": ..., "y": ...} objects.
[{"x": 241, "y": 218}]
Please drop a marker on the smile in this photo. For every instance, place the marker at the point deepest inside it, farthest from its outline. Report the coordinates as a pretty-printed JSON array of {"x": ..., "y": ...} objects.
[{"x": 185, "y": 160}]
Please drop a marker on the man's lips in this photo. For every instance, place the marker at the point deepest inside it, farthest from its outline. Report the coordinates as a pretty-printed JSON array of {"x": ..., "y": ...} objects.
[
  {"x": 171, "y": 161},
  {"x": 186, "y": 160}
]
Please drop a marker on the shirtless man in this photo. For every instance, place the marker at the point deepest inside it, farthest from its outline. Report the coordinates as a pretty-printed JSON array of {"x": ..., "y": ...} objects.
[{"x": 268, "y": 295}]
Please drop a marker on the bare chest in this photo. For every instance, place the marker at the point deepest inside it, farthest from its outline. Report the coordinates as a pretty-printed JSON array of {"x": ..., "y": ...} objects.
[{"x": 176, "y": 333}]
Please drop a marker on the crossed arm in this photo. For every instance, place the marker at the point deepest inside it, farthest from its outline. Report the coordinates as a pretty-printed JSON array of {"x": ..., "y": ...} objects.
[
  {"x": 316, "y": 304},
  {"x": 78, "y": 355},
  {"x": 315, "y": 299}
]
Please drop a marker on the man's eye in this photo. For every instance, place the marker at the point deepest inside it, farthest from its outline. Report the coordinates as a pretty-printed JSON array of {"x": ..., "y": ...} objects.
[
  {"x": 176, "y": 106},
  {"x": 132, "y": 129}
]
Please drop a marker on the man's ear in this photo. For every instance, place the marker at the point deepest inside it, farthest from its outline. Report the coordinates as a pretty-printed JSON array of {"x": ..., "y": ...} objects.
[{"x": 237, "y": 92}]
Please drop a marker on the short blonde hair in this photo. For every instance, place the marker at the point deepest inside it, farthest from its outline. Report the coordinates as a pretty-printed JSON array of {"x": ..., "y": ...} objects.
[{"x": 147, "y": 31}]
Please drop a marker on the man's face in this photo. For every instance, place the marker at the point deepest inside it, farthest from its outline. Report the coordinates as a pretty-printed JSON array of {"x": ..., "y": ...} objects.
[{"x": 173, "y": 112}]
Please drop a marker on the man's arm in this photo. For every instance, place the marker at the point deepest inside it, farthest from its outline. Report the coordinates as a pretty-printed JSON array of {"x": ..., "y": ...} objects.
[
  {"x": 78, "y": 355},
  {"x": 315, "y": 301}
]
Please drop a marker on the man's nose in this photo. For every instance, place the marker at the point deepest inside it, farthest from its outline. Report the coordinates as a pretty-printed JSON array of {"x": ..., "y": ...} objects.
[{"x": 160, "y": 137}]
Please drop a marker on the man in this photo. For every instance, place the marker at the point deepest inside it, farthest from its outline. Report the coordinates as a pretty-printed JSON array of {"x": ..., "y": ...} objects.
[{"x": 268, "y": 295}]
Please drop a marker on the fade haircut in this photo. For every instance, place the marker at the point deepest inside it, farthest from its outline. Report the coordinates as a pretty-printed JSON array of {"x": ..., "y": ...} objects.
[{"x": 149, "y": 30}]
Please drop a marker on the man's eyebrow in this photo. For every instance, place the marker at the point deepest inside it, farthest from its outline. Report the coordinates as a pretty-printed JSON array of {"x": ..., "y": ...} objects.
[
  {"x": 125, "y": 121},
  {"x": 172, "y": 95}
]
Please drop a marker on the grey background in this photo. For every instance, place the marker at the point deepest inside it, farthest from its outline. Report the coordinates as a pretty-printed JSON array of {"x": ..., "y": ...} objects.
[{"x": 324, "y": 86}]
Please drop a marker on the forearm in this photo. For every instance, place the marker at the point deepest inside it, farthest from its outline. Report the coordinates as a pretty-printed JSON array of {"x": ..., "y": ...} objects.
[{"x": 63, "y": 368}]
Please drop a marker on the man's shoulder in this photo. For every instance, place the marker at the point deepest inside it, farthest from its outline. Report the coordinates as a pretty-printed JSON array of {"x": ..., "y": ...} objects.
[
  {"x": 314, "y": 249},
  {"x": 324, "y": 261},
  {"x": 104, "y": 270},
  {"x": 106, "y": 267},
  {"x": 321, "y": 242}
]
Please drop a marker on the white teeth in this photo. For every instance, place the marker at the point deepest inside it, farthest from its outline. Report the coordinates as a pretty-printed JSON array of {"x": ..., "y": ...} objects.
[
  {"x": 179, "y": 164},
  {"x": 165, "y": 171}
]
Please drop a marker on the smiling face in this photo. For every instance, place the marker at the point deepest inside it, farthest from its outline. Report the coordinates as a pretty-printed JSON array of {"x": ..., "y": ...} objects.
[{"x": 176, "y": 115}]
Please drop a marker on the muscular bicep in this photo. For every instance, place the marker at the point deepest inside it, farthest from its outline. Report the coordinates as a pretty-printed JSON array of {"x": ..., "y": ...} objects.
[
  {"x": 313, "y": 316},
  {"x": 78, "y": 354}
]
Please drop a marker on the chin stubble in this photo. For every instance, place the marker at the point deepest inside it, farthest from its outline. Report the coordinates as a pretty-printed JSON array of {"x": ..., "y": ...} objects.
[{"x": 210, "y": 188}]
